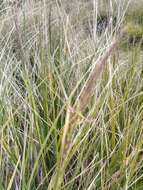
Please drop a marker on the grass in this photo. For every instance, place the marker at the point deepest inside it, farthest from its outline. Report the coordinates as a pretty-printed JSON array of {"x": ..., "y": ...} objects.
[{"x": 71, "y": 111}]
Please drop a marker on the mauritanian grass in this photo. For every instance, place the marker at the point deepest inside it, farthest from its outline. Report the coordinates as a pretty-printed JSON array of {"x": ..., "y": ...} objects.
[{"x": 71, "y": 93}]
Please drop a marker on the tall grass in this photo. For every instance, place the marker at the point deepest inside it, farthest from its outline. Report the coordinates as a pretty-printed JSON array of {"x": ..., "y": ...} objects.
[{"x": 71, "y": 112}]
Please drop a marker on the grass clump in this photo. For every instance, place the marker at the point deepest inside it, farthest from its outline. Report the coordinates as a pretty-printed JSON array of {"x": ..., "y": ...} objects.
[
  {"x": 135, "y": 13},
  {"x": 135, "y": 33},
  {"x": 133, "y": 36},
  {"x": 70, "y": 104}
]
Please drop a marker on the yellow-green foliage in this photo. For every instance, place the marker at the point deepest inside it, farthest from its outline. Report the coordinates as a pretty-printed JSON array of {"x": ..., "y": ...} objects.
[
  {"x": 134, "y": 30},
  {"x": 133, "y": 35}
]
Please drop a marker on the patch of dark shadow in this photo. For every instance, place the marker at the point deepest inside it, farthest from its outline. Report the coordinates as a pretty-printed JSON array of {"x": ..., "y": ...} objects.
[
  {"x": 135, "y": 40},
  {"x": 19, "y": 81},
  {"x": 32, "y": 72},
  {"x": 104, "y": 22},
  {"x": 2, "y": 7}
]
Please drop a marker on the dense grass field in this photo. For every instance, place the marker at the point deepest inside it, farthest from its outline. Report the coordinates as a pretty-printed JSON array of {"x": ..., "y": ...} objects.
[{"x": 71, "y": 95}]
